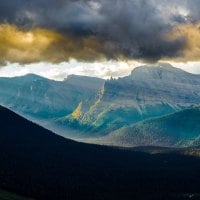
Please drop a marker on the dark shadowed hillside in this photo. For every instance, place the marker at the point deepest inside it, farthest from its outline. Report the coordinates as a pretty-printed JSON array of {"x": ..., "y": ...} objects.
[
  {"x": 4, "y": 195},
  {"x": 34, "y": 162}
]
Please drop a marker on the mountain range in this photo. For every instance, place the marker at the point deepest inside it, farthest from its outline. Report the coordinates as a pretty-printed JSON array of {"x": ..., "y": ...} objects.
[
  {"x": 128, "y": 111},
  {"x": 43, "y": 98},
  {"x": 150, "y": 91},
  {"x": 39, "y": 164}
]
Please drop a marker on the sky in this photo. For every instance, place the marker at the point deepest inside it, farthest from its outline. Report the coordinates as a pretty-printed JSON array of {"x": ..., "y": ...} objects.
[{"x": 102, "y": 38}]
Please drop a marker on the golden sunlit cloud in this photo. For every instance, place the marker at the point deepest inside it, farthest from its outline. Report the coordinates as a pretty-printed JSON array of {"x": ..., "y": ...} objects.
[
  {"x": 38, "y": 45},
  {"x": 191, "y": 35},
  {"x": 42, "y": 45},
  {"x": 21, "y": 46}
]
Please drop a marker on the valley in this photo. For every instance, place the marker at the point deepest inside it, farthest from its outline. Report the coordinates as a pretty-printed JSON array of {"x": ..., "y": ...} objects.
[{"x": 39, "y": 164}]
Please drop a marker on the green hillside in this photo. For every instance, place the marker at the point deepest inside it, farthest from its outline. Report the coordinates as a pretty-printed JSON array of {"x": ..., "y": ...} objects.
[{"x": 178, "y": 129}]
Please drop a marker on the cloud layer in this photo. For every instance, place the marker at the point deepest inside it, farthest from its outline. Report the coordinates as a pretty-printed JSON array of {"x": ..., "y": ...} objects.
[
  {"x": 60, "y": 71},
  {"x": 98, "y": 29}
]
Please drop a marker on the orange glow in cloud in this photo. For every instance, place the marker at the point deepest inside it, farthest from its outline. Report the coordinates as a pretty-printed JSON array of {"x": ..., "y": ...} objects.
[
  {"x": 42, "y": 45},
  {"x": 37, "y": 45},
  {"x": 191, "y": 35}
]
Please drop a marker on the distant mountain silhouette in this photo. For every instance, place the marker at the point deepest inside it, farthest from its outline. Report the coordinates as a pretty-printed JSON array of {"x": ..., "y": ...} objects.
[{"x": 37, "y": 163}]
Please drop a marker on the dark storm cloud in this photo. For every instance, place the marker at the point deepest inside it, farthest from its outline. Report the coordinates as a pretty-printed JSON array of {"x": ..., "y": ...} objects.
[
  {"x": 135, "y": 29},
  {"x": 128, "y": 28}
]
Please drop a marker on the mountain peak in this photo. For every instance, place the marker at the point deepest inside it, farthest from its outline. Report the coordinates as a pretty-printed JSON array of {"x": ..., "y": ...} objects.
[
  {"x": 30, "y": 77},
  {"x": 160, "y": 71},
  {"x": 159, "y": 67}
]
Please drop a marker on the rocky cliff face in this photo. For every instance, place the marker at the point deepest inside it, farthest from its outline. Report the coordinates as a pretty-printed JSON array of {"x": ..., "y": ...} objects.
[{"x": 150, "y": 91}]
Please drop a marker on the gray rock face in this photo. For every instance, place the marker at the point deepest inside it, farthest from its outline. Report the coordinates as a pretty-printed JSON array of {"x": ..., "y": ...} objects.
[
  {"x": 168, "y": 83},
  {"x": 161, "y": 83}
]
